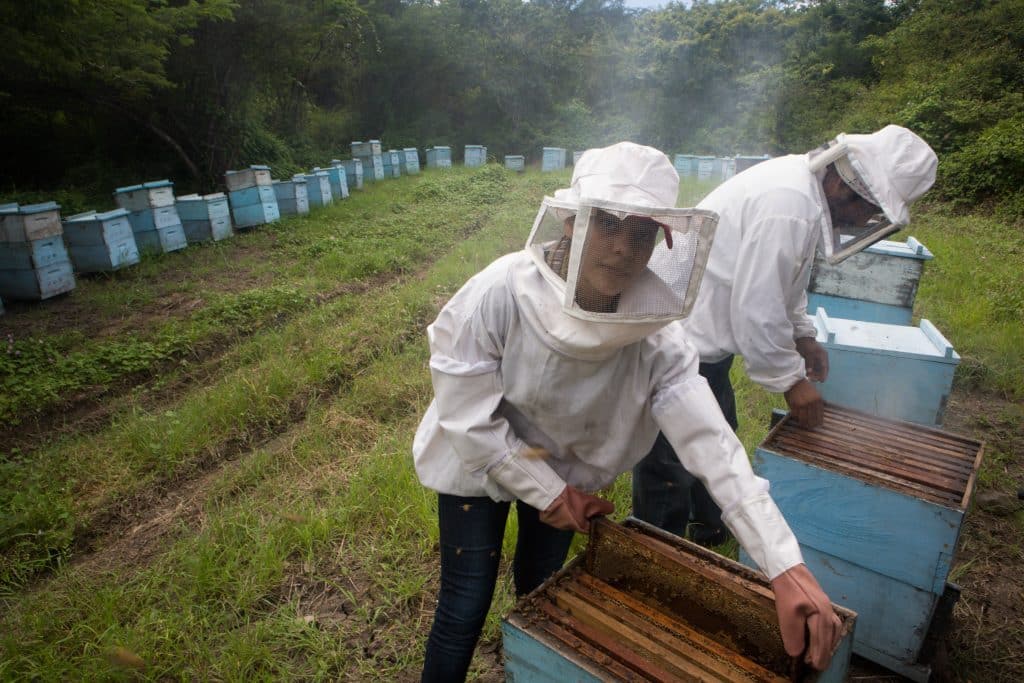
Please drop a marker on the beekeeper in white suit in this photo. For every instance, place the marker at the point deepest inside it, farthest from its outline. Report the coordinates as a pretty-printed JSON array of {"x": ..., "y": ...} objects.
[
  {"x": 839, "y": 198},
  {"x": 554, "y": 369}
]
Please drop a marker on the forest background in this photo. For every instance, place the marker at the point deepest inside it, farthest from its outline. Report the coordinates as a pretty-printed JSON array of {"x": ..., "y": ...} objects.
[{"x": 102, "y": 93}]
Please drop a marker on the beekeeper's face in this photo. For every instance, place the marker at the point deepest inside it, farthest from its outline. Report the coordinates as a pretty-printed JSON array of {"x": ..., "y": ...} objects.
[{"x": 616, "y": 252}]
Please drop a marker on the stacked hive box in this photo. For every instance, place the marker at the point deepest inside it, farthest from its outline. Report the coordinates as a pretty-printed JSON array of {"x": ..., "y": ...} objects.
[
  {"x": 705, "y": 168},
  {"x": 410, "y": 158},
  {"x": 877, "y": 285},
  {"x": 373, "y": 162},
  {"x": 894, "y": 371},
  {"x": 439, "y": 157},
  {"x": 354, "y": 173},
  {"x": 643, "y": 605},
  {"x": 318, "y": 189},
  {"x": 292, "y": 197},
  {"x": 205, "y": 217},
  {"x": 728, "y": 167},
  {"x": 338, "y": 177},
  {"x": 34, "y": 263},
  {"x": 474, "y": 156},
  {"x": 877, "y": 507},
  {"x": 153, "y": 216},
  {"x": 686, "y": 165},
  {"x": 252, "y": 197},
  {"x": 552, "y": 159},
  {"x": 515, "y": 162},
  {"x": 101, "y": 242},
  {"x": 392, "y": 164}
]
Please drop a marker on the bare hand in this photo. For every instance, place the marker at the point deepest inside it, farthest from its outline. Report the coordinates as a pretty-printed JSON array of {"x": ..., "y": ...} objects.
[
  {"x": 815, "y": 358},
  {"x": 806, "y": 404}
]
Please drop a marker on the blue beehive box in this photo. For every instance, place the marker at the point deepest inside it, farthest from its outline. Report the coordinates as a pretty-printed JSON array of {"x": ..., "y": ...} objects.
[
  {"x": 410, "y": 159},
  {"x": 705, "y": 168},
  {"x": 878, "y": 284},
  {"x": 154, "y": 194},
  {"x": 254, "y": 205},
  {"x": 318, "y": 189},
  {"x": 248, "y": 177},
  {"x": 371, "y": 155},
  {"x": 394, "y": 156},
  {"x": 877, "y": 507},
  {"x": 474, "y": 155},
  {"x": 685, "y": 165},
  {"x": 101, "y": 242},
  {"x": 23, "y": 223},
  {"x": 37, "y": 283},
  {"x": 515, "y": 162},
  {"x": 644, "y": 605},
  {"x": 205, "y": 217},
  {"x": 894, "y": 371},
  {"x": 153, "y": 216},
  {"x": 339, "y": 179},
  {"x": 33, "y": 254},
  {"x": 552, "y": 159},
  {"x": 354, "y": 173},
  {"x": 745, "y": 162},
  {"x": 367, "y": 149},
  {"x": 292, "y": 196},
  {"x": 439, "y": 157},
  {"x": 728, "y": 168}
]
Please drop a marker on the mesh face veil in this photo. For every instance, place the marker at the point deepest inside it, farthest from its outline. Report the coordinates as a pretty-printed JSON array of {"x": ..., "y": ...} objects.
[{"x": 616, "y": 262}]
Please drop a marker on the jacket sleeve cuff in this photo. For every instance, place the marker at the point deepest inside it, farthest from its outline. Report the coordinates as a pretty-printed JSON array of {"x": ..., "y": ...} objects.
[
  {"x": 528, "y": 478},
  {"x": 759, "y": 527}
]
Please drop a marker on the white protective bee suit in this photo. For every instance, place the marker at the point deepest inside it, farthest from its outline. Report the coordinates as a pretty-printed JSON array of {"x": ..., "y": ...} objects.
[{"x": 513, "y": 368}]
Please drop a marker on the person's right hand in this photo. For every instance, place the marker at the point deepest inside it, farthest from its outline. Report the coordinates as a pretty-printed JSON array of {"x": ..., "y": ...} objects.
[
  {"x": 806, "y": 404},
  {"x": 573, "y": 509}
]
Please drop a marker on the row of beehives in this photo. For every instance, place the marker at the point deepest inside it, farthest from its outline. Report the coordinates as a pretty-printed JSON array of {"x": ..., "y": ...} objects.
[
  {"x": 713, "y": 168},
  {"x": 876, "y": 497}
]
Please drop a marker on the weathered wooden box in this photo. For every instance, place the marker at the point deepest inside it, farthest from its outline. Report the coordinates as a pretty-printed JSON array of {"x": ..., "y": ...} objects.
[
  {"x": 439, "y": 157},
  {"x": 33, "y": 254},
  {"x": 877, "y": 506},
  {"x": 354, "y": 173},
  {"x": 705, "y": 168},
  {"x": 101, "y": 242},
  {"x": 552, "y": 159},
  {"x": 643, "y": 605},
  {"x": 205, "y": 217},
  {"x": 154, "y": 194},
  {"x": 38, "y": 283},
  {"x": 474, "y": 155},
  {"x": 318, "y": 189},
  {"x": 292, "y": 196},
  {"x": 877, "y": 285},
  {"x": 247, "y": 177},
  {"x": 685, "y": 165},
  {"x": 367, "y": 149},
  {"x": 515, "y": 162},
  {"x": 29, "y": 222},
  {"x": 894, "y": 371},
  {"x": 410, "y": 160}
]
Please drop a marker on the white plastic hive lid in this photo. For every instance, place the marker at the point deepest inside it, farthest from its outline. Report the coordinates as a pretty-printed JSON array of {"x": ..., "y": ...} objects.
[
  {"x": 909, "y": 249},
  {"x": 924, "y": 342}
]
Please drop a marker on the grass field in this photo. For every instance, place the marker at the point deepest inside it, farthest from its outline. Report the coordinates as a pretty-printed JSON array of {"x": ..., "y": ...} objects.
[{"x": 205, "y": 468}]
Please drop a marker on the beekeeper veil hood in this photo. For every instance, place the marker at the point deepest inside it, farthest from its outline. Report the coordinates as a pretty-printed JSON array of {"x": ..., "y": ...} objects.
[{"x": 889, "y": 168}]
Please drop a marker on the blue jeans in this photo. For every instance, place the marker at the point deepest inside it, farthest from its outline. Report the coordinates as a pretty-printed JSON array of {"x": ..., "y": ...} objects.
[
  {"x": 669, "y": 497},
  {"x": 472, "y": 530}
]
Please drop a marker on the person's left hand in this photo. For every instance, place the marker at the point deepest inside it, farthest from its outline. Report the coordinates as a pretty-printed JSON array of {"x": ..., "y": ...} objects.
[
  {"x": 815, "y": 358},
  {"x": 802, "y": 608}
]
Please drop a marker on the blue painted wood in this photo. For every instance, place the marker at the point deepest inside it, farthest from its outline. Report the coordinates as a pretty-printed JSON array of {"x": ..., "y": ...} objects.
[
  {"x": 367, "y": 149},
  {"x": 728, "y": 168},
  {"x": 247, "y": 177},
  {"x": 251, "y": 215},
  {"x": 38, "y": 283},
  {"x": 107, "y": 257},
  {"x": 153, "y": 219},
  {"x": 410, "y": 159},
  {"x": 292, "y": 196},
  {"x": 474, "y": 156},
  {"x": 259, "y": 194},
  {"x": 887, "y": 273},
  {"x": 856, "y": 309},
  {"x": 439, "y": 157},
  {"x": 32, "y": 254},
  {"x": 552, "y": 159},
  {"x": 705, "y": 168},
  {"x": 214, "y": 229},
  {"x": 149, "y": 195},
  {"x": 394, "y": 158},
  {"x": 161, "y": 240},
  {"x": 22, "y": 223},
  {"x": 318, "y": 189},
  {"x": 685, "y": 165},
  {"x": 893, "y": 371},
  {"x": 339, "y": 179},
  {"x": 515, "y": 162},
  {"x": 354, "y": 173},
  {"x": 101, "y": 242},
  {"x": 527, "y": 660}
]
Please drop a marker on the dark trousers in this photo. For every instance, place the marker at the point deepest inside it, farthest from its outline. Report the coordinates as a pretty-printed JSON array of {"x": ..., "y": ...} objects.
[
  {"x": 472, "y": 530},
  {"x": 669, "y": 497}
]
